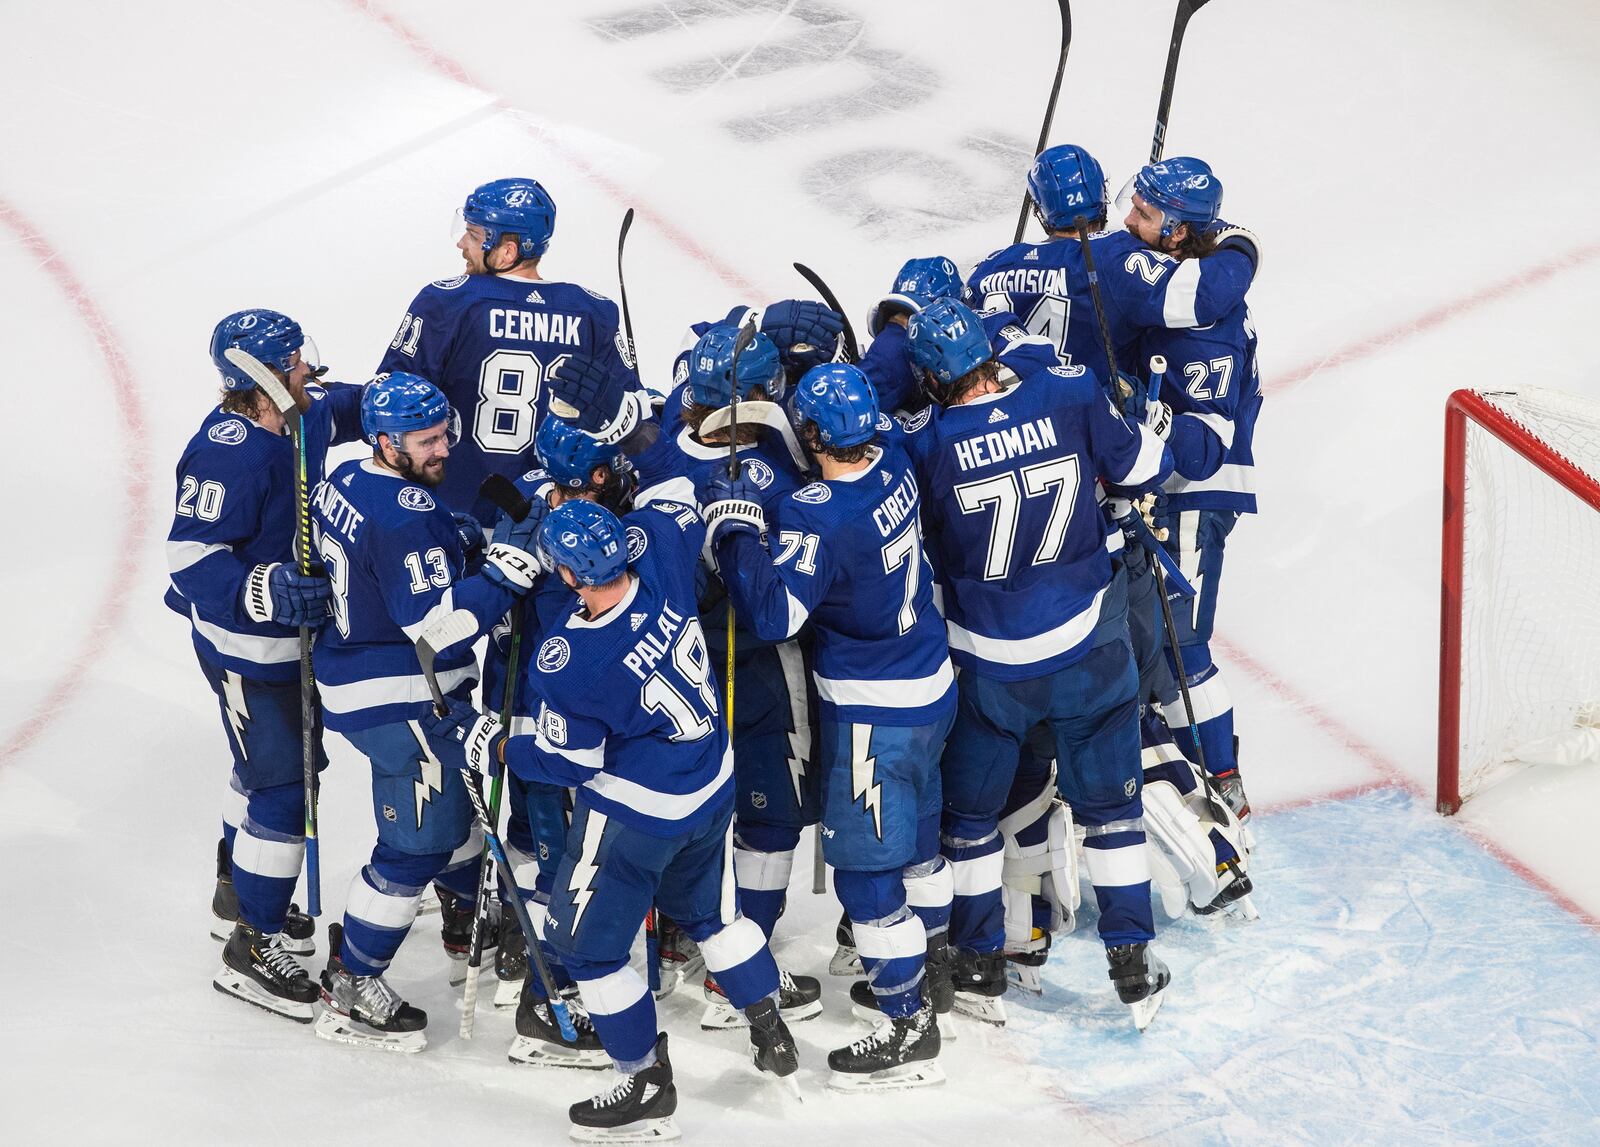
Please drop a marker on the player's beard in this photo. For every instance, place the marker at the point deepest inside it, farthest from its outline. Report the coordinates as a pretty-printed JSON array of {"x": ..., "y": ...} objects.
[{"x": 429, "y": 474}]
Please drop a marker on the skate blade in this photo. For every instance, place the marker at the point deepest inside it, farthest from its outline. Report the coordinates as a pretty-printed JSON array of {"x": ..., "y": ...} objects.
[
  {"x": 221, "y": 929},
  {"x": 242, "y": 987},
  {"x": 542, "y": 1053},
  {"x": 342, "y": 1029},
  {"x": 723, "y": 1016},
  {"x": 1145, "y": 1010},
  {"x": 644, "y": 1131},
  {"x": 926, "y": 1073},
  {"x": 1025, "y": 977},
  {"x": 947, "y": 1026},
  {"x": 1243, "y": 909},
  {"x": 845, "y": 962},
  {"x": 984, "y": 1009},
  {"x": 507, "y": 994}
]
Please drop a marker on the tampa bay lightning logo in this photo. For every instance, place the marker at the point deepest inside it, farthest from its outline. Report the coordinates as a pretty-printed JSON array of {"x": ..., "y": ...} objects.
[
  {"x": 450, "y": 284},
  {"x": 638, "y": 542},
  {"x": 248, "y": 322},
  {"x": 883, "y": 422},
  {"x": 760, "y": 473},
  {"x": 416, "y": 498},
  {"x": 553, "y": 654},
  {"x": 1075, "y": 371},
  {"x": 918, "y": 420},
  {"x": 229, "y": 433},
  {"x": 814, "y": 494}
]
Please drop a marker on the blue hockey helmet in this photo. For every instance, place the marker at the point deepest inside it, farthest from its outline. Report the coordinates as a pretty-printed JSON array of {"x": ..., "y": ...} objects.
[
  {"x": 518, "y": 206},
  {"x": 588, "y": 539},
  {"x": 946, "y": 339},
  {"x": 570, "y": 456},
  {"x": 840, "y": 400},
  {"x": 398, "y": 403},
  {"x": 918, "y": 283},
  {"x": 1066, "y": 183},
  {"x": 268, "y": 336},
  {"x": 711, "y": 367},
  {"x": 1183, "y": 189}
]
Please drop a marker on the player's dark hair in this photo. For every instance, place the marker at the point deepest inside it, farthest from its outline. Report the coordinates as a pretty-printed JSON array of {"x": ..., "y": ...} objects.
[
  {"x": 812, "y": 438},
  {"x": 1196, "y": 244},
  {"x": 985, "y": 372},
  {"x": 749, "y": 433},
  {"x": 1097, "y": 223},
  {"x": 245, "y": 403}
]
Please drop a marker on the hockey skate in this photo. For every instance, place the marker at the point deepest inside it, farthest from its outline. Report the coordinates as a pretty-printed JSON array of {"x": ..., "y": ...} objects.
[
  {"x": 772, "y": 1048},
  {"x": 799, "y": 998},
  {"x": 637, "y": 1109},
  {"x": 364, "y": 1010},
  {"x": 845, "y": 962},
  {"x": 900, "y": 1053},
  {"x": 677, "y": 957},
  {"x": 540, "y": 1042},
  {"x": 1234, "y": 899},
  {"x": 299, "y": 935},
  {"x": 1022, "y": 966},
  {"x": 980, "y": 982},
  {"x": 1141, "y": 980},
  {"x": 455, "y": 928},
  {"x": 510, "y": 962},
  {"x": 864, "y": 1006},
  {"x": 259, "y": 970}
]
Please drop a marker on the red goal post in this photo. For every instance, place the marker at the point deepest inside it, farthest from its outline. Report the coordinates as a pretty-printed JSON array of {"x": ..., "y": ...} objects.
[{"x": 1519, "y": 630}]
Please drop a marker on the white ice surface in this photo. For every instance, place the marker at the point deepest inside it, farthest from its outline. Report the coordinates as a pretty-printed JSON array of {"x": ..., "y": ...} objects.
[{"x": 1422, "y": 176}]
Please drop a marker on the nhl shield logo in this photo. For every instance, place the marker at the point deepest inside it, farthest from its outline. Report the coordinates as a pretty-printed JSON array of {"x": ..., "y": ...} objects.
[
  {"x": 389, "y": 814},
  {"x": 553, "y": 654},
  {"x": 1130, "y": 787}
]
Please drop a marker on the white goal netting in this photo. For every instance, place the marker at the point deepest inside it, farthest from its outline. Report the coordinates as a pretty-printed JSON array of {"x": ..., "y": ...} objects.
[{"x": 1530, "y": 592}]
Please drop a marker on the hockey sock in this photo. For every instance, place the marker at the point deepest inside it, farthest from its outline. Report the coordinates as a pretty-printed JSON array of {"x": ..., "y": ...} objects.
[
  {"x": 382, "y": 904},
  {"x": 1213, "y": 713},
  {"x": 266, "y": 852},
  {"x": 763, "y": 858},
  {"x": 738, "y": 956},
  {"x": 1114, "y": 852},
  {"x": 891, "y": 938},
  {"x": 977, "y": 860},
  {"x": 234, "y": 807},
  {"x": 930, "y": 884},
  {"x": 460, "y": 873},
  {"x": 622, "y": 1010}
]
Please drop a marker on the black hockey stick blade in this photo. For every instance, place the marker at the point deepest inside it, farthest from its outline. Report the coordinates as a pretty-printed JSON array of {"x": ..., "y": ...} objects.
[
  {"x": 1180, "y": 22},
  {"x": 1049, "y": 108},
  {"x": 622, "y": 287},
  {"x": 851, "y": 349},
  {"x": 503, "y": 492}
]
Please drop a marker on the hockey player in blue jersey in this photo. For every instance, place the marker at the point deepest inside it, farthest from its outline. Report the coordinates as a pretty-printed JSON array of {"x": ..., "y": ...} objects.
[
  {"x": 886, "y": 361},
  {"x": 1038, "y": 631},
  {"x": 846, "y": 557},
  {"x": 491, "y": 338},
  {"x": 230, "y": 554},
  {"x": 1214, "y": 391},
  {"x": 629, "y": 717},
  {"x": 1047, "y": 284},
  {"x": 395, "y": 561}
]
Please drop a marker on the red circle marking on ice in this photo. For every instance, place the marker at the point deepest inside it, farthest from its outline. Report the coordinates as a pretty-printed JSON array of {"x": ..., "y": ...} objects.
[{"x": 108, "y": 612}]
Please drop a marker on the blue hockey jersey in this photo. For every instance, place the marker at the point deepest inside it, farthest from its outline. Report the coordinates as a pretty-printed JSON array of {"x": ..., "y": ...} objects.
[
  {"x": 490, "y": 343},
  {"x": 887, "y": 362},
  {"x": 235, "y": 510},
  {"x": 1011, "y": 521},
  {"x": 394, "y": 557},
  {"x": 848, "y": 558},
  {"x": 628, "y": 707},
  {"x": 1214, "y": 389},
  {"x": 1046, "y": 284}
]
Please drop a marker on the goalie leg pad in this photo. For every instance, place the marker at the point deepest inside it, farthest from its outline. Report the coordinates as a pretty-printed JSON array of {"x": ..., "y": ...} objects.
[{"x": 1183, "y": 844}]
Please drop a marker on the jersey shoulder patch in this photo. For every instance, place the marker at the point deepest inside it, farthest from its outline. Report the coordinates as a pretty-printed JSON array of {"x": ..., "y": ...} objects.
[
  {"x": 915, "y": 422},
  {"x": 450, "y": 284},
  {"x": 553, "y": 654},
  {"x": 813, "y": 495},
  {"x": 228, "y": 433},
  {"x": 760, "y": 473},
  {"x": 415, "y": 498},
  {"x": 638, "y": 542}
]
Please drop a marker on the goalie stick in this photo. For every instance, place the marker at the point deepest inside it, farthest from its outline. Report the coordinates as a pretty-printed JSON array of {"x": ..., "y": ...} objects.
[
  {"x": 1049, "y": 108},
  {"x": 280, "y": 397},
  {"x": 852, "y": 351},
  {"x": 500, "y": 490},
  {"x": 1180, "y": 23}
]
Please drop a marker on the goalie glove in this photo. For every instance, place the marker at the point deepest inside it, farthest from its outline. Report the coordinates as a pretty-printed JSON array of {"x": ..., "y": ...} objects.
[{"x": 464, "y": 738}]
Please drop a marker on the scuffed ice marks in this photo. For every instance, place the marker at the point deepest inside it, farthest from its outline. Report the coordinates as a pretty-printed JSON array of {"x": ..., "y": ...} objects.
[{"x": 846, "y": 78}]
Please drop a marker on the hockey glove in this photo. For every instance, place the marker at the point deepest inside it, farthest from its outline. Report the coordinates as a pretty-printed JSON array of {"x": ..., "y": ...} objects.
[
  {"x": 602, "y": 401},
  {"x": 471, "y": 534},
  {"x": 1158, "y": 419},
  {"x": 1243, "y": 240},
  {"x": 283, "y": 594},
  {"x": 731, "y": 505},
  {"x": 805, "y": 333},
  {"x": 512, "y": 559},
  {"x": 465, "y": 738}
]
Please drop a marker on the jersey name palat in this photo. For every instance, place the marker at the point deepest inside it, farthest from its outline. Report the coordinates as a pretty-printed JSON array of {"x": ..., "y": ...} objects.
[
  {"x": 534, "y": 326},
  {"x": 1026, "y": 281},
  {"x": 999, "y": 445},
  {"x": 652, "y": 647},
  {"x": 897, "y": 507},
  {"x": 341, "y": 515}
]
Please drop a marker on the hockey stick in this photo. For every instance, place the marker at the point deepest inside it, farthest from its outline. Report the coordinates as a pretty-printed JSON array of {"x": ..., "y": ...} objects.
[
  {"x": 1049, "y": 108},
  {"x": 745, "y": 337},
  {"x": 500, "y": 490},
  {"x": 1157, "y": 569},
  {"x": 622, "y": 288},
  {"x": 768, "y": 414},
  {"x": 851, "y": 350},
  {"x": 1180, "y": 22},
  {"x": 280, "y": 397}
]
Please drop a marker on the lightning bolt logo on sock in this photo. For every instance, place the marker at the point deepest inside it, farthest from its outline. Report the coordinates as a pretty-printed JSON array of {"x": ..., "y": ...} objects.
[
  {"x": 431, "y": 779},
  {"x": 863, "y": 770},
  {"x": 238, "y": 708}
]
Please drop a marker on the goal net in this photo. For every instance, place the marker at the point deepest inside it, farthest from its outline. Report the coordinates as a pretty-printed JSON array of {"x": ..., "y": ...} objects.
[{"x": 1519, "y": 670}]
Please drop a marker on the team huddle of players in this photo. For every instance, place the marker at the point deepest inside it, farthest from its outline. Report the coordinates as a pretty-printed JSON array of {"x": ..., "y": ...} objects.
[{"x": 965, "y": 584}]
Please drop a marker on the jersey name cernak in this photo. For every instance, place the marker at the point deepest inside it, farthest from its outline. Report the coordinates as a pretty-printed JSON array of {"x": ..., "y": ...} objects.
[{"x": 535, "y": 326}]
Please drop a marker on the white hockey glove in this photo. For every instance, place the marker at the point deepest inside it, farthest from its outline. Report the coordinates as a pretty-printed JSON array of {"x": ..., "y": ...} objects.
[{"x": 1158, "y": 419}]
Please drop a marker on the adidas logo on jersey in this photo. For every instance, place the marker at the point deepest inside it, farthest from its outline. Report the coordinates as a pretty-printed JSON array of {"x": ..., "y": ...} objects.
[
  {"x": 884, "y": 474},
  {"x": 635, "y": 620},
  {"x": 997, "y": 415},
  {"x": 1032, "y": 256},
  {"x": 534, "y": 297}
]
